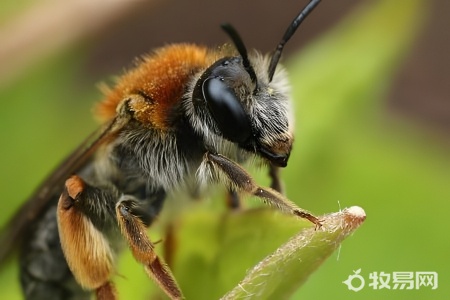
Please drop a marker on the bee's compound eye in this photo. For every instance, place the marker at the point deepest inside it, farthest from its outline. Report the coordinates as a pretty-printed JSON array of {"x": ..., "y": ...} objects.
[{"x": 226, "y": 110}]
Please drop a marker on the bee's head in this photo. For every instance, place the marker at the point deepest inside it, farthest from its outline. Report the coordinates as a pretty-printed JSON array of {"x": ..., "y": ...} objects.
[
  {"x": 250, "y": 112},
  {"x": 246, "y": 102}
]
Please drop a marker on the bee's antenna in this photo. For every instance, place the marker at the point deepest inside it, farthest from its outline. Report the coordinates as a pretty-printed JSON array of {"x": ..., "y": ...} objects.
[
  {"x": 239, "y": 44},
  {"x": 288, "y": 34}
]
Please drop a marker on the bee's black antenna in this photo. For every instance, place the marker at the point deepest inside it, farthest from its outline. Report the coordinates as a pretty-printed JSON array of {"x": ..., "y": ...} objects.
[
  {"x": 239, "y": 44},
  {"x": 288, "y": 34}
]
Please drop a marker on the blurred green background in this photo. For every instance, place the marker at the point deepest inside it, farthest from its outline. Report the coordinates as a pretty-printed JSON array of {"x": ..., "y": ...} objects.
[{"x": 353, "y": 67}]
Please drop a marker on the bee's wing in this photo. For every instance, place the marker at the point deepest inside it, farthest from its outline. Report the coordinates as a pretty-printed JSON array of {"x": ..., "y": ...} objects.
[{"x": 15, "y": 231}]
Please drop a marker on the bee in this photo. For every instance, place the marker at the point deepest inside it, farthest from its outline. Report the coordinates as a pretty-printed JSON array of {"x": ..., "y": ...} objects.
[{"x": 185, "y": 116}]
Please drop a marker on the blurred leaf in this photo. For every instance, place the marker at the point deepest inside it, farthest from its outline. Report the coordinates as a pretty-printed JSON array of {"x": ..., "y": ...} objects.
[
  {"x": 339, "y": 83},
  {"x": 342, "y": 74},
  {"x": 216, "y": 249}
]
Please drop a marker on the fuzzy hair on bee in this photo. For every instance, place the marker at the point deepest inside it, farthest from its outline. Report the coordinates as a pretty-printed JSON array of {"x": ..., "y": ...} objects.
[{"x": 184, "y": 118}]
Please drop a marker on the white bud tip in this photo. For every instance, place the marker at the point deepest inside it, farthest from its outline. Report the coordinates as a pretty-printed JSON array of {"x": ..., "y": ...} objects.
[{"x": 356, "y": 212}]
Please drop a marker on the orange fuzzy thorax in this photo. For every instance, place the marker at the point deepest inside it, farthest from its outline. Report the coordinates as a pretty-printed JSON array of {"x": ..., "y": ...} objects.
[{"x": 161, "y": 77}]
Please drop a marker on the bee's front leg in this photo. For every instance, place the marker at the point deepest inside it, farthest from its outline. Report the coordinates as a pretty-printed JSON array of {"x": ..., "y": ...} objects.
[
  {"x": 233, "y": 201},
  {"x": 239, "y": 179}
]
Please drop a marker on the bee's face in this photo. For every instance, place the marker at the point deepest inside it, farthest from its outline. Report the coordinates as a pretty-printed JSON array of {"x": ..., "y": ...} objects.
[{"x": 252, "y": 113}]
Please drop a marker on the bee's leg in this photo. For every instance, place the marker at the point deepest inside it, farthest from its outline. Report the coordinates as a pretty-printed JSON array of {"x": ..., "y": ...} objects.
[
  {"x": 240, "y": 180},
  {"x": 82, "y": 210},
  {"x": 134, "y": 230},
  {"x": 233, "y": 201},
  {"x": 274, "y": 174}
]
